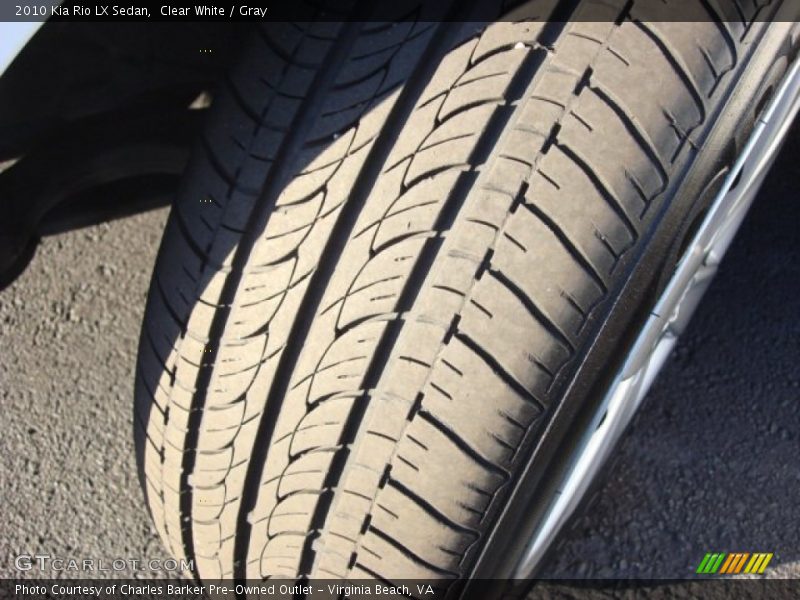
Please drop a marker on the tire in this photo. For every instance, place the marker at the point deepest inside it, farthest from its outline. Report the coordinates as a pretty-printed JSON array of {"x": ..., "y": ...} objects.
[{"x": 402, "y": 261}]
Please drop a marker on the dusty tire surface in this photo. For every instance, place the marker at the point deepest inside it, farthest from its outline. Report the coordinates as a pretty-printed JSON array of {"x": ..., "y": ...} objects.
[{"x": 391, "y": 253}]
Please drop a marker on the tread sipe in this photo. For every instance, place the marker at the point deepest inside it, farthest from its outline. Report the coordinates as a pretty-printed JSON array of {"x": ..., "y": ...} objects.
[{"x": 390, "y": 253}]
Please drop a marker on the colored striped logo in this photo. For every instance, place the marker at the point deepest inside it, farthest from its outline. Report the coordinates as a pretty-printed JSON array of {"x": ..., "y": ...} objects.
[{"x": 732, "y": 563}]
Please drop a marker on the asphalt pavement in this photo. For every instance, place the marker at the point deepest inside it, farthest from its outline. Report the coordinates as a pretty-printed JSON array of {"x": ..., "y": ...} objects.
[{"x": 712, "y": 464}]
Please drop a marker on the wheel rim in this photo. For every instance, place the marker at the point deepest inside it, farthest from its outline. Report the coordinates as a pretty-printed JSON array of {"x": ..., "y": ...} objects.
[{"x": 669, "y": 317}]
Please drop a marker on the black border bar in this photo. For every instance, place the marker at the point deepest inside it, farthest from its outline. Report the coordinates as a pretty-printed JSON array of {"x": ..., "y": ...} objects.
[{"x": 260, "y": 11}]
